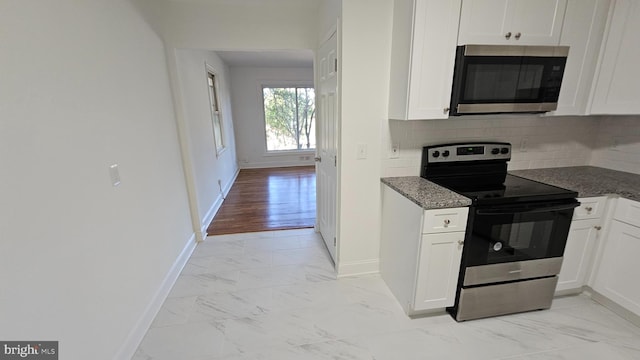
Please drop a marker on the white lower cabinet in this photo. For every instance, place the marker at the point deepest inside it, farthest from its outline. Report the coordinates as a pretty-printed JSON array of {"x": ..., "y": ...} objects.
[
  {"x": 578, "y": 255},
  {"x": 438, "y": 270},
  {"x": 617, "y": 275},
  {"x": 420, "y": 252},
  {"x": 582, "y": 240}
]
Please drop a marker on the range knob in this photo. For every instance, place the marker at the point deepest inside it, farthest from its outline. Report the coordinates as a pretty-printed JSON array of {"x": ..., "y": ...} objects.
[
  {"x": 436, "y": 154},
  {"x": 495, "y": 151},
  {"x": 445, "y": 153},
  {"x": 504, "y": 150}
]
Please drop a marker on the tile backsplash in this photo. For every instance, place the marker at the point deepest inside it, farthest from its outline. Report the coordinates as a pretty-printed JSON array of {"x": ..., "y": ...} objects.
[
  {"x": 537, "y": 141},
  {"x": 617, "y": 144}
]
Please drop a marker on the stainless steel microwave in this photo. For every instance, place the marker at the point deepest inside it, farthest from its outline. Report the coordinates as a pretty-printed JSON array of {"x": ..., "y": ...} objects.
[{"x": 493, "y": 79}]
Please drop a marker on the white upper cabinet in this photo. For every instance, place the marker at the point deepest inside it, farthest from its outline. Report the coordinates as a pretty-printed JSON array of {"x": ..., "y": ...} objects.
[
  {"x": 422, "y": 58},
  {"x": 582, "y": 30},
  {"x": 617, "y": 87},
  {"x": 511, "y": 22}
]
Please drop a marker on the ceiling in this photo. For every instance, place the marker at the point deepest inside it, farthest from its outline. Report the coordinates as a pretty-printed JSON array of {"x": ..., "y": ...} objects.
[{"x": 284, "y": 58}]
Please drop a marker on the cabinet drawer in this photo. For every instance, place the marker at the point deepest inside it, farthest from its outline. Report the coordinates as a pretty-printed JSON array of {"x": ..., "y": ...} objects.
[
  {"x": 590, "y": 208},
  {"x": 445, "y": 220},
  {"x": 628, "y": 211}
]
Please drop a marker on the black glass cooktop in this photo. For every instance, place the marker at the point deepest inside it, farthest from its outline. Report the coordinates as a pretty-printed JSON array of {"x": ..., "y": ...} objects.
[{"x": 512, "y": 189}]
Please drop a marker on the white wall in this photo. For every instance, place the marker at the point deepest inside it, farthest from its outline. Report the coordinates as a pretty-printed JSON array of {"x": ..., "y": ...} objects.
[
  {"x": 550, "y": 141},
  {"x": 246, "y": 99},
  {"x": 366, "y": 45},
  {"x": 328, "y": 13},
  {"x": 618, "y": 144},
  {"x": 84, "y": 85},
  {"x": 232, "y": 24},
  {"x": 207, "y": 167}
]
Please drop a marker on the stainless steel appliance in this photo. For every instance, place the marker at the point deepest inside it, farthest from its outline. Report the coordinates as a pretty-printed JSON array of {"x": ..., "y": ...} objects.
[
  {"x": 490, "y": 79},
  {"x": 516, "y": 232}
]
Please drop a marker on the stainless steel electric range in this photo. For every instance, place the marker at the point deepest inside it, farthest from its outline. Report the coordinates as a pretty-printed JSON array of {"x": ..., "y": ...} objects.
[{"x": 516, "y": 232}]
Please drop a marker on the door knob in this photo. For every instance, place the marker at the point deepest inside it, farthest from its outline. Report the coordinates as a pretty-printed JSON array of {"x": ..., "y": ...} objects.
[{"x": 317, "y": 159}]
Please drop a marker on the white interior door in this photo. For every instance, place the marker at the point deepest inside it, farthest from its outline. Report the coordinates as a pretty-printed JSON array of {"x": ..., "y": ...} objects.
[{"x": 327, "y": 148}]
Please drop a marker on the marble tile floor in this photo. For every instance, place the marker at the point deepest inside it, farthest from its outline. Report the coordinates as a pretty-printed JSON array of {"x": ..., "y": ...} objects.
[{"x": 274, "y": 296}]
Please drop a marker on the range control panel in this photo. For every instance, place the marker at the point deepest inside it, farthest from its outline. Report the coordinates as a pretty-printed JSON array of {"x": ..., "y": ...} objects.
[{"x": 467, "y": 152}]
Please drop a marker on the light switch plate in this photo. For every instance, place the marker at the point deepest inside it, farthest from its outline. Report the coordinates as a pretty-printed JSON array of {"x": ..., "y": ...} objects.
[
  {"x": 362, "y": 151},
  {"x": 114, "y": 173}
]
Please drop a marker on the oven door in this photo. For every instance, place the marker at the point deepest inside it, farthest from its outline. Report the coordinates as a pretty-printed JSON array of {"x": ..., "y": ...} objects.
[{"x": 518, "y": 232}]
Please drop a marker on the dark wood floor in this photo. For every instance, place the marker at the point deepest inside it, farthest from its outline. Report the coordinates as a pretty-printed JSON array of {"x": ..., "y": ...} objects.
[{"x": 268, "y": 199}]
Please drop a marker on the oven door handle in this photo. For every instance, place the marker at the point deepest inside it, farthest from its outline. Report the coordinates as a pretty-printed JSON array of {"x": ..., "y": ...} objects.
[{"x": 528, "y": 210}]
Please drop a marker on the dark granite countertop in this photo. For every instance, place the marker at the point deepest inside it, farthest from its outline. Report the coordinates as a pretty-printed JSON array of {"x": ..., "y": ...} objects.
[
  {"x": 587, "y": 180},
  {"x": 425, "y": 193}
]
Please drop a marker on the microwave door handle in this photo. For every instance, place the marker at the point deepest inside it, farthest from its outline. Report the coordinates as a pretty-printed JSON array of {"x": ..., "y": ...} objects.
[{"x": 514, "y": 210}]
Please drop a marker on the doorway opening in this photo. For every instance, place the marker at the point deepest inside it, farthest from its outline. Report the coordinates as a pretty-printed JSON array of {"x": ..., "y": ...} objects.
[{"x": 274, "y": 122}]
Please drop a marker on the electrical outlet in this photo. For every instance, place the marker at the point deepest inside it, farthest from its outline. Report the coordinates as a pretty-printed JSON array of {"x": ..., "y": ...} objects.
[
  {"x": 524, "y": 144},
  {"x": 615, "y": 142},
  {"x": 395, "y": 151}
]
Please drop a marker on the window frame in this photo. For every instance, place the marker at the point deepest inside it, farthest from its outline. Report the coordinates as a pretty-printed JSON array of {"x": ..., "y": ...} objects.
[
  {"x": 283, "y": 84},
  {"x": 214, "y": 96}
]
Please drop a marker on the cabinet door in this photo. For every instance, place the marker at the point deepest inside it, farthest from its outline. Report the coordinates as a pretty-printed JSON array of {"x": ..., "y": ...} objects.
[
  {"x": 617, "y": 90},
  {"x": 437, "y": 279},
  {"x": 582, "y": 30},
  {"x": 511, "y": 22},
  {"x": 578, "y": 254},
  {"x": 432, "y": 59},
  {"x": 618, "y": 273}
]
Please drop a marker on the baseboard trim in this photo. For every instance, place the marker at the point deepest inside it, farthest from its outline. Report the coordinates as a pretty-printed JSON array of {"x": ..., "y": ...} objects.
[
  {"x": 568, "y": 292},
  {"x": 276, "y": 164},
  {"x": 138, "y": 332},
  {"x": 213, "y": 210},
  {"x": 613, "y": 306},
  {"x": 358, "y": 268}
]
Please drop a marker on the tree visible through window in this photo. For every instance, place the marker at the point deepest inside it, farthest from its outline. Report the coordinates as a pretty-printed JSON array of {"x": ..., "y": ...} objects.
[{"x": 289, "y": 114}]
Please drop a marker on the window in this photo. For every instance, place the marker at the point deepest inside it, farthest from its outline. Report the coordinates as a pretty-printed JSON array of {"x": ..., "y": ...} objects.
[
  {"x": 216, "y": 113},
  {"x": 289, "y": 114}
]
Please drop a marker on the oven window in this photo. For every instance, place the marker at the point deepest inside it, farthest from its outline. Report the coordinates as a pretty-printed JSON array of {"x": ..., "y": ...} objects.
[
  {"x": 523, "y": 240},
  {"x": 502, "y": 82},
  {"x": 516, "y": 236}
]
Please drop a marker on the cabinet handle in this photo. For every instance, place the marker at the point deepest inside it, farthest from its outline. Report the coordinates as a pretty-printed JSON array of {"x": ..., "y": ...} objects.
[
  {"x": 598, "y": 227},
  {"x": 446, "y": 110},
  {"x": 460, "y": 242},
  {"x": 508, "y": 35},
  {"x": 447, "y": 222},
  {"x": 588, "y": 208},
  {"x": 518, "y": 36}
]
